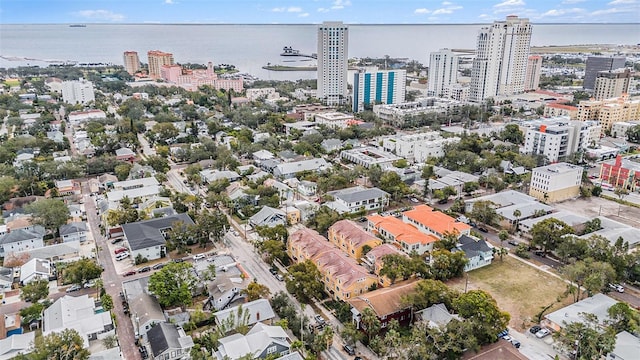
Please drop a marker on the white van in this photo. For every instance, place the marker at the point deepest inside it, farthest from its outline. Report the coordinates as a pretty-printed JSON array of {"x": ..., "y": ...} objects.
[{"x": 122, "y": 256}]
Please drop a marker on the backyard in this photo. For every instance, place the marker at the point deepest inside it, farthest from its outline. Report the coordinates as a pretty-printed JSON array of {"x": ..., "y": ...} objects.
[{"x": 521, "y": 290}]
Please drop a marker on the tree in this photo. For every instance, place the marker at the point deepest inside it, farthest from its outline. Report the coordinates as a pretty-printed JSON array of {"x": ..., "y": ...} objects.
[
  {"x": 35, "y": 290},
  {"x": 323, "y": 340},
  {"x": 503, "y": 235},
  {"x": 548, "y": 233},
  {"x": 165, "y": 131},
  {"x": 80, "y": 271},
  {"x": 255, "y": 291},
  {"x": 370, "y": 323},
  {"x": 623, "y": 318},
  {"x": 448, "y": 241},
  {"x": 516, "y": 214},
  {"x": 450, "y": 341},
  {"x": 447, "y": 265},
  {"x": 278, "y": 232},
  {"x": 351, "y": 334},
  {"x": 274, "y": 249},
  {"x": 589, "y": 274},
  {"x": 158, "y": 163},
  {"x": 429, "y": 292},
  {"x": 480, "y": 309},
  {"x": 64, "y": 345},
  {"x": 484, "y": 212},
  {"x": 33, "y": 312},
  {"x": 396, "y": 266},
  {"x": 173, "y": 284},
  {"x": 50, "y": 213},
  {"x": 587, "y": 338},
  {"x": 304, "y": 281},
  {"x": 107, "y": 302},
  {"x": 512, "y": 134},
  {"x": 470, "y": 187},
  {"x": 393, "y": 184},
  {"x": 211, "y": 226},
  {"x": 110, "y": 341},
  {"x": 633, "y": 134},
  {"x": 122, "y": 171}
]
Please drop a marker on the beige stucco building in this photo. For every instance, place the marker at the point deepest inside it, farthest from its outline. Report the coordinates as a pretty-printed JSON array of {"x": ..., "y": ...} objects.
[{"x": 556, "y": 182}]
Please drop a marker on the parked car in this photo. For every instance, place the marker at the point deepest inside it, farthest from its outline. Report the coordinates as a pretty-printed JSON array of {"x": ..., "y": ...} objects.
[
  {"x": 319, "y": 319},
  {"x": 483, "y": 229},
  {"x": 273, "y": 271},
  {"x": 534, "y": 329},
  {"x": 199, "y": 257},
  {"x": 515, "y": 343},
  {"x": 116, "y": 240},
  {"x": 512, "y": 242},
  {"x": 279, "y": 277},
  {"x": 90, "y": 284},
  {"x": 349, "y": 349},
  {"x": 617, "y": 287},
  {"x": 120, "y": 250},
  {"x": 129, "y": 273},
  {"x": 74, "y": 287},
  {"x": 158, "y": 266},
  {"x": 122, "y": 256},
  {"x": 542, "y": 333},
  {"x": 503, "y": 333},
  {"x": 144, "y": 269},
  {"x": 179, "y": 260},
  {"x": 143, "y": 352}
]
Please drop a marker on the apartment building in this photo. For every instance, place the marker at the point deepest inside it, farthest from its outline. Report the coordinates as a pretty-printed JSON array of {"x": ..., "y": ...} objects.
[
  {"x": 556, "y": 182},
  {"x": 443, "y": 72},
  {"x": 532, "y": 77},
  {"x": 609, "y": 111},
  {"x": 596, "y": 64},
  {"x": 560, "y": 137},
  {"x": 611, "y": 84},
  {"x": 78, "y": 92},
  {"x": 405, "y": 236},
  {"x": 335, "y": 120},
  {"x": 333, "y": 50},
  {"x": 555, "y": 109},
  {"x": 369, "y": 156},
  {"x": 157, "y": 59},
  {"x": 430, "y": 221},
  {"x": 131, "y": 62},
  {"x": 351, "y": 238},
  {"x": 418, "y": 147},
  {"x": 378, "y": 87},
  {"x": 357, "y": 198},
  {"x": 399, "y": 114}
]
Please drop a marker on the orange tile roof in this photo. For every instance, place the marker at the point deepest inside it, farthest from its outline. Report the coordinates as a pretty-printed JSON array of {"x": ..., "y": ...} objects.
[
  {"x": 401, "y": 231},
  {"x": 435, "y": 220},
  {"x": 562, "y": 106},
  {"x": 310, "y": 241},
  {"x": 356, "y": 235},
  {"x": 385, "y": 301}
]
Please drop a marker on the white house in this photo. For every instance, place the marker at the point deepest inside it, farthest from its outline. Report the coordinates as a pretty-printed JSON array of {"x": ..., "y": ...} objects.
[
  {"x": 147, "y": 238},
  {"x": 169, "y": 342},
  {"x": 260, "y": 342},
  {"x": 290, "y": 169},
  {"x": 268, "y": 216},
  {"x": 19, "y": 240},
  {"x": 477, "y": 252},
  {"x": 78, "y": 313},
  {"x": 144, "y": 307},
  {"x": 35, "y": 269},
  {"x": 16, "y": 344},
  {"x": 357, "y": 198},
  {"x": 75, "y": 231}
]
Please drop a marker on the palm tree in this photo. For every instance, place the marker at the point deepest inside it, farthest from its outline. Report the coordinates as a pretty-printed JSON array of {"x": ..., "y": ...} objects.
[{"x": 516, "y": 214}]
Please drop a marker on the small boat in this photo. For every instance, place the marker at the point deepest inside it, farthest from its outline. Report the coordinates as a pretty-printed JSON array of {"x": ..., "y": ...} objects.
[
  {"x": 77, "y": 25},
  {"x": 289, "y": 51}
]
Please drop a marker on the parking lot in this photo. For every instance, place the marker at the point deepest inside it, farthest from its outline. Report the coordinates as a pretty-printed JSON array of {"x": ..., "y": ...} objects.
[{"x": 596, "y": 206}]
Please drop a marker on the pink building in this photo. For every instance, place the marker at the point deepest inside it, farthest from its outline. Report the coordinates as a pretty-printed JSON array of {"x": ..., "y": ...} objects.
[{"x": 170, "y": 73}]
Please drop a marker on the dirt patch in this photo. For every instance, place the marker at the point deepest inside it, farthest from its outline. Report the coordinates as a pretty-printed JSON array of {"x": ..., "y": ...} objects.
[{"x": 518, "y": 288}]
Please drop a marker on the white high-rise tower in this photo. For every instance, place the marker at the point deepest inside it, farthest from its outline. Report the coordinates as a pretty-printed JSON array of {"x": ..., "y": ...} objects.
[
  {"x": 443, "y": 72},
  {"x": 500, "y": 64},
  {"x": 333, "y": 44}
]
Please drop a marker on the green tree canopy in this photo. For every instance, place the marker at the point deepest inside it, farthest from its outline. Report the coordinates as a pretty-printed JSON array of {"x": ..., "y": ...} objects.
[
  {"x": 484, "y": 212},
  {"x": 173, "y": 284},
  {"x": 35, "y": 290},
  {"x": 50, "y": 213},
  {"x": 304, "y": 281},
  {"x": 80, "y": 271},
  {"x": 64, "y": 345},
  {"x": 429, "y": 292},
  {"x": 548, "y": 233},
  {"x": 587, "y": 338},
  {"x": 479, "y": 308}
]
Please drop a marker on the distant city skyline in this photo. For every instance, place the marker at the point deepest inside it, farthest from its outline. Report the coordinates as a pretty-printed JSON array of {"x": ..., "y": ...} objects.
[{"x": 316, "y": 11}]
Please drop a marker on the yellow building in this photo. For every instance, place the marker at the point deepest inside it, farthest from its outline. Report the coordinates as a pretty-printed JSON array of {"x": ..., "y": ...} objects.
[
  {"x": 609, "y": 111},
  {"x": 342, "y": 277},
  {"x": 556, "y": 182},
  {"x": 351, "y": 238},
  {"x": 556, "y": 109}
]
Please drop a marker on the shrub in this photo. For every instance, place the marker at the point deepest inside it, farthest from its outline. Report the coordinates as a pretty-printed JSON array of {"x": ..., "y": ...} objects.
[{"x": 522, "y": 251}]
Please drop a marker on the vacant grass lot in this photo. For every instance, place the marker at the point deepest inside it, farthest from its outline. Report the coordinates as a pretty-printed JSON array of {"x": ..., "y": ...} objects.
[{"x": 519, "y": 289}]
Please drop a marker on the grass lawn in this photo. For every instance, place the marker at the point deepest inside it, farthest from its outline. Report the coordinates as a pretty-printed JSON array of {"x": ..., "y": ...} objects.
[
  {"x": 519, "y": 289},
  {"x": 12, "y": 82}
]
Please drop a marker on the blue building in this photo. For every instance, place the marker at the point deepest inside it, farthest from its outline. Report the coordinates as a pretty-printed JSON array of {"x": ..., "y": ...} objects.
[{"x": 378, "y": 87}]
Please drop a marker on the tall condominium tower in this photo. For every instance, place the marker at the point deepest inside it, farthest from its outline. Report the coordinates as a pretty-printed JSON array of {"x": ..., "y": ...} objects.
[
  {"x": 131, "y": 62},
  {"x": 77, "y": 91},
  {"x": 532, "y": 79},
  {"x": 500, "y": 64},
  {"x": 157, "y": 59},
  {"x": 378, "y": 87},
  {"x": 443, "y": 72},
  {"x": 333, "y": 44},
  {"x": 595, "y": 64},
  {"x": 612, "y": 84}
]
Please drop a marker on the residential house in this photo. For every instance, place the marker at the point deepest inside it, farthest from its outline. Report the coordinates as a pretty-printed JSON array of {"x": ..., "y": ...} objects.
[
  {"x": 342, "y": 277},
  {"x": 35, "y": 269},
  {"x": 209, "y": 175},
  {"x": 435, "y": 316},
  {"x": 268, "y": 216},
  {"x": 169, "y": 342},
  {"x": 351, "y": 238},
  {"x": 107, "y": 180},
  {"x": 307, "y": 188},
  {"x": 627, "y": 347},
  {"x": 65, "y": 252},
  {"x": 387, "y": 303},
  {"x": 257, "y": 311},
  {"x": 260, "y": 342},
  {"x": 406, "y": 236},
  {"x": 597, "y": 305},
  {"x": 374, "y": 262},
  {"x": 284, "y": 191},
  {"x": 288, "y": 170},
  {"x": 148, "y": 238},
  {"x": 329, "y": 145},
  {"x": 262, "y": 155},
  {"x": 357, "y": 198},
  {"x": 125, "y": 154},
  {"x": 67, "y": 187},
  {"x": 430, "y": 221},
  {"x": 228, "y": 284},
  {"x": 144, "y": 307},
  {"x": 18, "y": 240},
  {"x": 17, "y": 344},
  {"x": 78, "y": 313},
  {"x": 141, "y": 189},
  {"x": 75, "y": 211},
  {"x": 478, "y": 252},
  {"x": 75, "y": 231},
  {"x": 56, "y": 135}
]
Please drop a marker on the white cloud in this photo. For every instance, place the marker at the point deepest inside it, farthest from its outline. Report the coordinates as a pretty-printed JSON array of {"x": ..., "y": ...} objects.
[
  {"x": 446, "y": 3},
  {"x": 447, "y": 10},
  {"x": 340, "y": 4},
  {"x": 609, "y": 11},
  {"x": 104, "y": 15},
  {"x": 622, "y": 2},
  {"x": 484, "y": 16},
  {"x": 561, "y": 12},
  {"x": 280, "y": 9},
  {"x": 294, "y": 9},
  {"x": 303, "y": 15},
  {"x": 170, "y": 2},
  {"x": 509, "y": 3},
  {"x": 323, "y": 10},
  {"x": 422, "y": 11},
  {"x": 569, "y": 2}
]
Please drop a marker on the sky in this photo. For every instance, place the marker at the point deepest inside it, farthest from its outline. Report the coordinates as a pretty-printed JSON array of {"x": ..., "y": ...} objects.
[{"x": 315, "y": 11}]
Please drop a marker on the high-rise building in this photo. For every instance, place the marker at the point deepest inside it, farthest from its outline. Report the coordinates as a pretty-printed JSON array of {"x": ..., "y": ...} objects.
[
  {"x": 611, "y": 84},
  {"x": 595, "y": 64},
  {"x": 443, "y": 72},
  {"x": 333, "y": 44},
  {"x": 532, "y": 78},
  {"x": 131, "y": 62},
  {"x": 378, "y": 87},
  {"x": 500, "y": 65},
  {"x": 157, "y": 59},
  {"x": 77, "y": 91},
  {"x": 557, "y": 138}
]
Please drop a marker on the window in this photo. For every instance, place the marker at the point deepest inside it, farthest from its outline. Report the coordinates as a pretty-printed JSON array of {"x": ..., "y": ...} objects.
[{"x": 271, "y": 350}]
